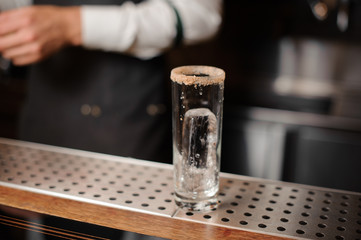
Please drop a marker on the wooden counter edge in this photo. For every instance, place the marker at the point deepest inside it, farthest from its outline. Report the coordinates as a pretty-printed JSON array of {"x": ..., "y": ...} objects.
[{"x": 154, "y": 225}]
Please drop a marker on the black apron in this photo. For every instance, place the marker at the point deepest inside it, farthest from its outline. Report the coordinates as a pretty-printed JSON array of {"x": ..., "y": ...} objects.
[{"x": 98, "y": 101}]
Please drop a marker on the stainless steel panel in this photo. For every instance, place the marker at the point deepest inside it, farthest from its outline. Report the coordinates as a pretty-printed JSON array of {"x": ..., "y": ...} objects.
[{"x": 252, "y": 204}]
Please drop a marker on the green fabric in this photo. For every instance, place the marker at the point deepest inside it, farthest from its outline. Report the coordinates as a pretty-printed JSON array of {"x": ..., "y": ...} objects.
[{"x": 179, "y": 25}]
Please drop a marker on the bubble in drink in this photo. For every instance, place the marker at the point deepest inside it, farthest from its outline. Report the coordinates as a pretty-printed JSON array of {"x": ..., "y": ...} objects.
[{"x": 198, "y": 163}]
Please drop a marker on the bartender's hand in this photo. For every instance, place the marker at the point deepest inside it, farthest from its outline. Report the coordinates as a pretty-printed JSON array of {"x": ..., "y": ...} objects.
[{"x": 30, "y": 34}]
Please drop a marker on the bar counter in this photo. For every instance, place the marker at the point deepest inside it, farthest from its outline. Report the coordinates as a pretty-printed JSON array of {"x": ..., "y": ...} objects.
[{"x": 137, "y": 196}]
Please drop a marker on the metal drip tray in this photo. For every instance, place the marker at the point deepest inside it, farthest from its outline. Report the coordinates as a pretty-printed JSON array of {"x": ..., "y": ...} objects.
[{"x": 250, "y": 204}]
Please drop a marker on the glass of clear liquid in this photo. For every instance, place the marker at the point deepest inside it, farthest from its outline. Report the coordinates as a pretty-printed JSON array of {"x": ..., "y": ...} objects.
[{"x": 197, "y": 102}]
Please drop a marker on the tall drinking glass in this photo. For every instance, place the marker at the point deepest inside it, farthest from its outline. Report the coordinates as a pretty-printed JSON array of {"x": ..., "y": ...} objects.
[{"x": 197, "y": 101}]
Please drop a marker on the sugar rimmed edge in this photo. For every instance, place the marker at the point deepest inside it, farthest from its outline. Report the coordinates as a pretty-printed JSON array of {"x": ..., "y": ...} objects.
[{"x": 190, "y": 75}]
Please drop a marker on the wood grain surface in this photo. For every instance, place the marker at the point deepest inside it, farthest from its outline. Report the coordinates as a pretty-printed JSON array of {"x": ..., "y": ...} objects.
[{"x": 148, "y": 224}]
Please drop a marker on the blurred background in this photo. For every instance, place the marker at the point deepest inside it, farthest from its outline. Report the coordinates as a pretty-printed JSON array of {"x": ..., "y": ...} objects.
[{"x": 292, "y": 94}]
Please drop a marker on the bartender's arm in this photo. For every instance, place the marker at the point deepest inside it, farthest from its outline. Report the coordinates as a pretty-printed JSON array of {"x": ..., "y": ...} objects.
[{"x": 145, "y": 30}]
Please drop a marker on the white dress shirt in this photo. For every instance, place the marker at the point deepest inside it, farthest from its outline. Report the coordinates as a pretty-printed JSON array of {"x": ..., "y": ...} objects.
[{"x": 144, "y": 30}]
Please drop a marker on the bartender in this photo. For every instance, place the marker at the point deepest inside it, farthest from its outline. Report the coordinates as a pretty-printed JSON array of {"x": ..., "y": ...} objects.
[{"x": 97, "y": 75}]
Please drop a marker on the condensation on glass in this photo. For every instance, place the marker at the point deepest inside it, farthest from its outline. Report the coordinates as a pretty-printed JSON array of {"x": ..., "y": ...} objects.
[{"x": 197, "y": 101}]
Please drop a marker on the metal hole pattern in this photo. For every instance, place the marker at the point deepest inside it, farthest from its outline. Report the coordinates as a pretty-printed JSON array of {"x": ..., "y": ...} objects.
[
  {"x": 120, "y": 183},
  {"x": 272, "y": 207}
]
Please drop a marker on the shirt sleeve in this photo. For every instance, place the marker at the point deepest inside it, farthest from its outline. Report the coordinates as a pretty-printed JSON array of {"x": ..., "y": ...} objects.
[{"x": 147, "y": 29}]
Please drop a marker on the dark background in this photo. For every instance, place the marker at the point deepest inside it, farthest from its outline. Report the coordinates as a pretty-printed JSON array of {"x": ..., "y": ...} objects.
[{"x": 292, "y": 91}]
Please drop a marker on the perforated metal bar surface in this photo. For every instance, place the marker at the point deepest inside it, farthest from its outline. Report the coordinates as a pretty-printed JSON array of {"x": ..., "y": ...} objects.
[{"x": 251, "y": 204}]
